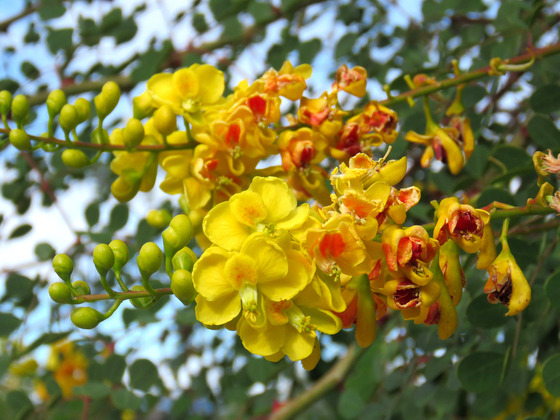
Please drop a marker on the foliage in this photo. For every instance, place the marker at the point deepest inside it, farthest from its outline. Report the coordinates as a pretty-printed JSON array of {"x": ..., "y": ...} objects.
[{"x": 474, "y": 88}]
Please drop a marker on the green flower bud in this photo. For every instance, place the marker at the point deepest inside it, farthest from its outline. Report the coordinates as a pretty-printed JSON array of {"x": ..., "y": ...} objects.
[
  {"x": 126, "y": 186},
  {"x": 120, "y": 251},
  {"x": 165, "y": 120},
  {"x": 142, "y": 106},
  {"x": 107, "y": 100},
  {"x": 100, "y": 136},
  {"x": 159, "y": 219},
  {"x": 5, "y": 102},
  {"x": 84, "y": 109},
  {"x": 20, "y": 109},
  {"x": 178, "y": 234},
  {"x": 142, "y": 302},
  {"x": 86, "y": 317},
  {"x": 20, "y": 139},
  {"x": 68, "y": 118},
  {"x": 149, "y": 259},
  {"x": 184, "y": 259},
  {"x": 60, "y": 292},
  {"x": 133, "y": 133},
  {"x": 182, "y": 286},
  {"x": 74, "y": 158},
  {"x": 63, "y": 266},
  {"x": 103, "y": 258},
  {"x": 55, "y": 101},
  {"x": 81, "y": 288}
]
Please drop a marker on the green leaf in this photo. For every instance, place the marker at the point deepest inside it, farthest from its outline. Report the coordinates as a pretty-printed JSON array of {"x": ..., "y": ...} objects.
[
  {"x": 47, "y": 338},
  {"x": 125, "y": 31},
  {"x": 276, "y": 56},
  {"x": 481, "y": 371},
  {"x": 29, "y": 70},
  {"x": 89, "y": 32},
  {"x": 19, "y": 289},
  {"x": 350, "y": 404},
  {"x": 546, "y": 99},
  {"x": 124, "y": 399},
  {"x": 8, "y": 324},
  {"x": 543, "y": 131},
  {"x": 483, "y": 314},
  {"x": 552, "y": 289},
  {"x": 477, "y": 163},
  {"x": 308, "y": 50},
  {"x": 199, "y": 22},
  {"x": 261, "y": 12},
  {"x": 490, "y": 195},
  {"x": 222, "y": 9},
  {"x": 143, "y": 375},
  {"x": 59, "y": 39},
  {"x": 345, "y": 45},
  {"x": 261, "y": 370},
  {"x": 473, "y": 94},
  {"x": 44, "y": 251},
  {"x": 114, "y": 368},
  {"x": 51, "y": 9},
  {"x": 349, "y": 13},
  {"x": 118, "y": 217},
  {"x": 111, "y": 20},
  {"x": 94, "y": 390},
  {"x": 150, "y": 62},
  {"x": 233, "y": 29},
  {"x": 92, "y": 214},
  {"x": 9, "y": 84},
  {"x": 20, "y": 231},
  {"x": 20, "y": 403},
  {"x": 5, "y": 362},
  {"x": 512, "y": 157},
  {"x": 551, "y": 375}
]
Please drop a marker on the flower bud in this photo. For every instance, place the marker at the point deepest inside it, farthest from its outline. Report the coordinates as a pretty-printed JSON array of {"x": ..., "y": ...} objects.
[
  {"x": 142, "y": 106},
  {"x": 84, "y": 109},
  {"x": 86, "y": 317},
  {"x": 141, "y": 302},
  {"x": 149, "y": 259},
  {"x": 182, "y": 286},
  {"x": 133, "y": 133},
  {"x": 5, "y": 102},
  {"x": 107, "y": 100},
  {"x": 158, "y": 218},
  {"x": 178, "y": 234},
  {"x": 124, "y": 188},
  {"x": 20, "y": 109},
  {"x": 120, "y": 252},
  {"x": 60, "y": 292},
  {"x": 81, "y": 288},
  {"x": 74, "y": 158},
  {"x": 55, "y": 101},
  {"x": 100, "y": 136},
  {"x": 165, "y": 120},
  {"x": 184, "y": 259},
  {"x": 103, "y": 258},
  {"x": 68, "y": 118},
  {"x": 20, "y": 139},
  {"x": 63, "y": 266}
]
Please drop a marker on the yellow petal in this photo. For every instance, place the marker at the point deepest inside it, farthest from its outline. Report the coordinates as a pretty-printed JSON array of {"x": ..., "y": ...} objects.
[
  {"x": 208, "y": 274},
  {"x": 211, "y": 83},
  {"x": 265, "y": 342},
  {"x": 270, "y": 262},
  {"x": 325, "y": 321},
  {"x": 176, "y": 166},
  {"x": 185, "y": 82},
  {"x": 163, "y": 91},
  {"x": 248, "y": 208},
  {"x": 219, "y": 311},
  {"x": 278, "y": 199},
  {"x": 222, "y": 228},
  {"x": 298, "y": 346},
  {"x": 295, "y": 219}
]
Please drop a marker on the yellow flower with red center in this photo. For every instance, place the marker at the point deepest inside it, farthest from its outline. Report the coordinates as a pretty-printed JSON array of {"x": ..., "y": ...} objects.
[
  {"x": 352, "y": 80},
  {"x": 268, "y": 205},
  {"x": 460, "y": 222},
  {"x": 321, "y": 114},
  {"x": 289, "y": 81},
  {"x": 298, "y": 149},
  {"x": 233, "y": 283},
  {"x": 411, "y": 299}
]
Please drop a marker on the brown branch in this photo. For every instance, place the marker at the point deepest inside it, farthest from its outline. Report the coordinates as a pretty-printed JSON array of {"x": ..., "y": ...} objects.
[{"x": 4, "y": 25}]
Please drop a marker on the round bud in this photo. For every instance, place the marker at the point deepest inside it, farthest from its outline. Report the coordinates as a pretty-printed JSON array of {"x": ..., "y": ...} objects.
[
  {"x": 81, "y": 288},
  {"x": 5, "y": 102},
  {"x": 107, "y": 100},
  {"x": 150, "y": 258},
  {"x": 60, "y": 292},
  {"x": 133, "y": 133},
  {"x": 123, "y": 190},
  {"x": 141, "y": 302},
  {"x": 84, "y": 109},
  {"x": 20, "y": 109},
  {"x": 74, "y": 158},
  {"x": 68, "y": 118},
  {"x": 86, "y": 317},
  {"x": 182, "y": 286},
  {"x": 20, "y": 139},
  {"x": 120, "y": 251},
  {"x": 165, "y": 120},
  {"x": 63, "y": 266},
  {"x": 178, "y": 234},
  {"x": 103, "y": 257},
  {"x": 159, "y": 219},
  {"x": 142, "y": 106},
  {"x": 55, "y": 101},
  {"x": 184, "y": 259},
  {"x": 100, "y": 136}
]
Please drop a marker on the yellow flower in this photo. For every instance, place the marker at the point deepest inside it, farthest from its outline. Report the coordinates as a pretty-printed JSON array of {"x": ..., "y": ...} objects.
[
  {"x": 352, "y": 80},
  {"x": 69, "y": 366},
  {"x": 268, "y": 205},
  {"x": 288, "y": 82},
  {"x": 187, "y": 90},
  {"x": 230, "y": 282}
]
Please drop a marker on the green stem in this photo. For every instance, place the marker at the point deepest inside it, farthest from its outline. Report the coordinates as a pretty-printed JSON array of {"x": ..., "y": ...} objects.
[
  {"x": 118, "y": 276},
  {"x": 113, "y": 308},
  {"x": 106, "y": 286},
  {"x": 505, "y": 230}
]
